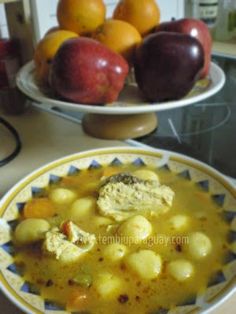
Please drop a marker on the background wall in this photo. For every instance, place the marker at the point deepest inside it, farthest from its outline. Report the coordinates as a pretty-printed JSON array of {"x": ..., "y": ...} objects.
[{"x": 3, "y": 22}]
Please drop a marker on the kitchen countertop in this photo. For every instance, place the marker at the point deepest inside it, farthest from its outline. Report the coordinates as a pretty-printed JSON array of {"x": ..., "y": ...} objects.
[
  {"x": 46, "y": 137},
  {"x": 225, "y": 49}
]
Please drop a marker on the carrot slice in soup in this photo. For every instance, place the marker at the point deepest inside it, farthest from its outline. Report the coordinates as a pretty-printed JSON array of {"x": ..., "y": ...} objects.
[
  {"x": 39, "y": 208},
  {"x": 78, "y": 300}
]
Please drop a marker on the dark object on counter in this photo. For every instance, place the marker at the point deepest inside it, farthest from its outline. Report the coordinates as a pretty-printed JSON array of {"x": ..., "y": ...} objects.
[
  {"x": 167, "y": 65},
  {"x": 9, "y": 61},
  {"x": 11, "y": 99}
]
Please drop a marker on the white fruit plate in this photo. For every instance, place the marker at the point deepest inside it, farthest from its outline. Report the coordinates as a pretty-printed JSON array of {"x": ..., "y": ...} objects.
[{"x": 130, "y": 100}]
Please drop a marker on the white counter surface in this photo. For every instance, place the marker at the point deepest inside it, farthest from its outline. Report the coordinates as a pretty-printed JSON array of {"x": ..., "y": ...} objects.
[{"x": 46, "y": 137}]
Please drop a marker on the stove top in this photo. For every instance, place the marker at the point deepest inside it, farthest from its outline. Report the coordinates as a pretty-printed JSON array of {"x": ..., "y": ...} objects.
[{"x": 205, "y": 131}]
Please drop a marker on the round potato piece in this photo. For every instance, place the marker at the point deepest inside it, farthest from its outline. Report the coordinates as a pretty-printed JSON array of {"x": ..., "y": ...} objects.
[
  {"x": 115, "y": 252},
  {"x": 81, "y": 208},
  {"x": 180, "y": 269},
  {"x": 145, "y": 263},
  {"x": 199, "y": 245},
  {"x": 146, "y": 174},
  {"x": 100, "y": 221},
  {"x": 70, "y": 254},
  {"x": 233, "y": 247},
  {"x": 108, "y": 285},
  {"x": 179, "y": 222},
  {"x": 135, "y": 229},
  {"x": 31, "y": 230},
  {"x": 61, "y": 196}
]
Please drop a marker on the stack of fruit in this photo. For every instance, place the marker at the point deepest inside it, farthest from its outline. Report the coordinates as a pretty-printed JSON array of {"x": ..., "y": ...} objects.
[{"x": 87, "y": 58}]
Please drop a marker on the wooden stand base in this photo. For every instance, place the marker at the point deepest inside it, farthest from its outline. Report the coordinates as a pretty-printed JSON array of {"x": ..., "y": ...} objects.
[{"x": 119, "y": 127}]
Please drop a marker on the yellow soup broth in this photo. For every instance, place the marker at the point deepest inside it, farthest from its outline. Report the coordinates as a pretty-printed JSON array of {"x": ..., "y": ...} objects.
[{"x": 135, "y": 294}]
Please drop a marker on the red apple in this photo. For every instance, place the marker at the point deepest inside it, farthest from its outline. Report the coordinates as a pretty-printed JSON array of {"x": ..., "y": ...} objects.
[
  {"x": 85, "y": 71},
  {"x": 195, "y": 28},
  {"x": 167, "y": 65}
]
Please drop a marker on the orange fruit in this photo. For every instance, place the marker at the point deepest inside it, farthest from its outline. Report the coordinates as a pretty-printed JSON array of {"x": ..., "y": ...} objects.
[
  {"x": 119, "y": 36},
  {"x": 46, "y": 50},
  {"x": 143, "y": 14},
  {"x": 81, "y": 16}
]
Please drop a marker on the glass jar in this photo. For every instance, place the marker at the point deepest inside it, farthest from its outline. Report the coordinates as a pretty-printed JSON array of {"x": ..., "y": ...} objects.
[
  {"x": 206, "y": 10},
  {"x": 225, "y": 23}
]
